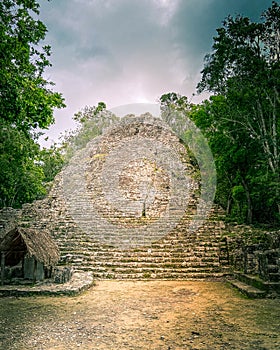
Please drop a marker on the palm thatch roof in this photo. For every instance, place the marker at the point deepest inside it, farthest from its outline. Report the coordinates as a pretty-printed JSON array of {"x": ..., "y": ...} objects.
[{"x": 38, "y": 244}]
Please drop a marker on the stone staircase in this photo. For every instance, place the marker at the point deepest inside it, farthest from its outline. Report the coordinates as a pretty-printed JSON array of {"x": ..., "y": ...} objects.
[
  {"x": 102, "y": 187},
  {"x": 176, "y": 256},
  {"x": 123, "y": 206},
  {"x": 254, "y": 286}
]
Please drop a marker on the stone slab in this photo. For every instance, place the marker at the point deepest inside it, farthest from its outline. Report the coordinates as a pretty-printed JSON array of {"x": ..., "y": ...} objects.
[
  {"x": 248, "y": 290},
  {"x": 79, "y": 282}
]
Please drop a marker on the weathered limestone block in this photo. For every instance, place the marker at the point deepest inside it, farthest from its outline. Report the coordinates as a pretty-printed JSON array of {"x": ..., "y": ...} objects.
[
  {"x": 126, "y": 206},
  {"x": 256, "y": 253},
  {"x": 62, "y": 274}
]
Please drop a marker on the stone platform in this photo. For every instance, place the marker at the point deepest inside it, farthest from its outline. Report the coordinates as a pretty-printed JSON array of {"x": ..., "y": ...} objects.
[{"x": 79, "y": 282}]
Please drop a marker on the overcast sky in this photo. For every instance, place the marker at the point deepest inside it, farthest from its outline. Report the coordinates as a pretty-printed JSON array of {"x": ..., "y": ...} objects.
[{"x": 131, "y": 51}]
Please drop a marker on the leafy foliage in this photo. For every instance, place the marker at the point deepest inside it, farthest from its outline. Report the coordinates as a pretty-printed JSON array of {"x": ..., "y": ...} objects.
[
  {"x": 21, "y": 177},
  {"x": 241, "y": 177},
  {"x": 52, "y": 161},
  {"x": 243, "y": 71},
  {"x": 92, "y": 121},
  {"x": 26, "y": 100}
]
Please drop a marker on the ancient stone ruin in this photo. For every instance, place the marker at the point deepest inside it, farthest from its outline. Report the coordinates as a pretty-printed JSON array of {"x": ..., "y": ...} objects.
[
  {"x": 123, "y": 206},
  {"x": 126, "y": 206}
]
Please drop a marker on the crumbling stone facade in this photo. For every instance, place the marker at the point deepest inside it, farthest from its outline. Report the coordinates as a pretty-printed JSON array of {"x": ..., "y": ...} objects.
[
  {"x": 255, "y": 252},
  {"x": 124, "y": 205}
]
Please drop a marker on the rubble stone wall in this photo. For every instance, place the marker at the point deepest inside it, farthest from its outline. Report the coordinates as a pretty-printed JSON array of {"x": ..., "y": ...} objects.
[
  {"x": 255, "y": 252},
  {"x": 122, "y": 208}
]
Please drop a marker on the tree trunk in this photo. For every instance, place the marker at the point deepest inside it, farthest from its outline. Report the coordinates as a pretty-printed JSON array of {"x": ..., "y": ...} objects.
[
  {"x": 229, "y": 203},
  {"x": 249, "y": 218}
]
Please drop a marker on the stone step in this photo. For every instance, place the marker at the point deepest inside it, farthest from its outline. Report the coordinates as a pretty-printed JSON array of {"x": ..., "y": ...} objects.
[
  {"x": 109, "y": 261},
  {"x": 272, "y": 268},
  {"x": 150, "y": 265},
  {"x": 248, "y": 290},
  {"x": 183, "y": 260},
  {"x": 148, "y": 269},
  {"x": 199, "y": 236},
  {"x": 137, "y": 254},
  {"x": 73, "y": 234},
  {"x": 274, "y": 277},
  {"x": 153, "y": 264},
  {"x": 251, "y": 280},
  {"x": 202, "y": 246},
  {"x": 159, "y": 275},
  {"x": 270, "y": 287},
  {"x": 161, "y": 247}
]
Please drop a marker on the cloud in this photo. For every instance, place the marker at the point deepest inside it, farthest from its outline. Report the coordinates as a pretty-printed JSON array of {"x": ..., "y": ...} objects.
[
  {"x": 127, "y": 51},
  {"x": 196, "y": 23},
  {"x": 128, "y": 44}
]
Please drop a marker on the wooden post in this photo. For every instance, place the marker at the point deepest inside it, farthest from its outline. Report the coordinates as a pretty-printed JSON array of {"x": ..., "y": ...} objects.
[
  {"x": 34, "y": 270},
  {"x": 2, "y": 267}
]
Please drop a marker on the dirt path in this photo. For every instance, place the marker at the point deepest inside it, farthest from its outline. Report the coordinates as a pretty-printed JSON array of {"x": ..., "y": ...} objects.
[{"x": 157, "y": 315}]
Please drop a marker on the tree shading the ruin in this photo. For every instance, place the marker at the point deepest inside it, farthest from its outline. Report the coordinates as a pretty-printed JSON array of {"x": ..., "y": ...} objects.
[{"x": 27, "y": 101}]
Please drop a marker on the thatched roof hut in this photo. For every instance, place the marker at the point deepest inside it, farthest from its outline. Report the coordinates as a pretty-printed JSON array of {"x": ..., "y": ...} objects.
[
  {"x": 21, "y": 243},
  {"x": 37, "y": 244}
]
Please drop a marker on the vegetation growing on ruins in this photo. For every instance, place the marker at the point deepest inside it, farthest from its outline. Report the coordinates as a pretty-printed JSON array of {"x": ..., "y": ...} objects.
[
  {"x": 241, "y": 119},
  {"x": 92, "y": 120}
]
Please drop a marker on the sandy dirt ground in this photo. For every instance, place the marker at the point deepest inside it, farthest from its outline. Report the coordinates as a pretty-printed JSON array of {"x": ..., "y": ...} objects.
[{"x": 157, "y": 315}]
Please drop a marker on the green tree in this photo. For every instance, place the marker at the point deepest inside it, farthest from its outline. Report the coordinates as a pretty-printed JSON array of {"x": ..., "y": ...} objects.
[
  {"x": 21, "y": 176},
  {"x": 176, "y": 111},
  {"x": 27, "y": 100},
  {"x": 92, "y": 120},
  {"x": 244, "y": 187},
  {"x": 52, "y": 161},
  {"x": 244, "y": 69},
  {"x": 231, "y": 157}
]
